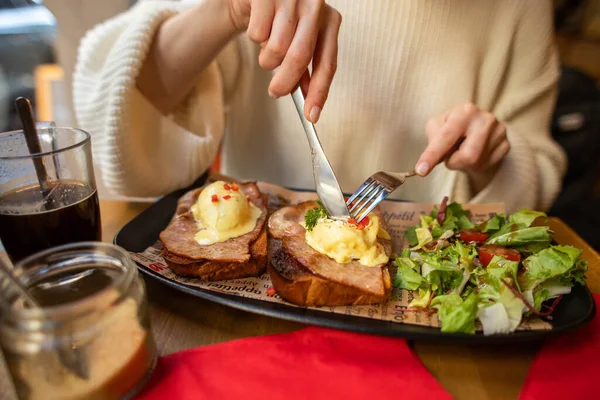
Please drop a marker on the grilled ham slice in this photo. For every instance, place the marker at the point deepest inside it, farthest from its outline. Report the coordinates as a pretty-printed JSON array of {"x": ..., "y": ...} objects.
[{"x": 305, "y": 277}]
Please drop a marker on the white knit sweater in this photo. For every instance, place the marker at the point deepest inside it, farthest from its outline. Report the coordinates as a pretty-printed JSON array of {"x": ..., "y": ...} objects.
[{"x": 400, "y": 63}]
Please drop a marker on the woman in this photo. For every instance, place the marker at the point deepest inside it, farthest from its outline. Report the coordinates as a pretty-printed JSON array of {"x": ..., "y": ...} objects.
[{"x": 160, "y": 86}]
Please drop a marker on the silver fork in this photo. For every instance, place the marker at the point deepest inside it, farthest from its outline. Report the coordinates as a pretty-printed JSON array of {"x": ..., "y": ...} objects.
[{"x": 373, "y": 191}]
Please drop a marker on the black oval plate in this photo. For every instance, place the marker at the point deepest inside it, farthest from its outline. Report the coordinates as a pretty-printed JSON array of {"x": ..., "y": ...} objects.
[{"x": 575, "y": 309}]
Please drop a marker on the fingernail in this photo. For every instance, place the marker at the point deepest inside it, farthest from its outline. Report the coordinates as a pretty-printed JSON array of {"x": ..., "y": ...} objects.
[
  {"x": 423, "y": 168},
  {"x": 273, "y": 95},
  {"x": 314, "y": 114}
]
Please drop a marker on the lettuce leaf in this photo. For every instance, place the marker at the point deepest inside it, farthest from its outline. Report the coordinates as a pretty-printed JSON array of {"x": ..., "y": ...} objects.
[
  {"x": 500, "y": 311},
  {"x": 423, "y": 238},
  {"x": 407, "y": 275},
  {"x": 525, "y": 217},
  {"x": 455, "y": 314},
  {"x": 493, "y": 224},
  {"x": 511, "y": 235},
  {"x": 575, "y": 274},
  {"x": 423, "y": 300},
  {"x": 502, "y": 268},
  {"x": 550, "y": 289},
  {"x": 553, "y": 262}
]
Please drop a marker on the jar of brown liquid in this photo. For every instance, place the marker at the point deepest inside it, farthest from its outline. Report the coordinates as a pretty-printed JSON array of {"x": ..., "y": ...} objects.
[{"x": 90, "y": 338}]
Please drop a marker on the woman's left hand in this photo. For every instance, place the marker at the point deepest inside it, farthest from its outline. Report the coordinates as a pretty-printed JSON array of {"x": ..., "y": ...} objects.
[{"x": 467, "y": 139}]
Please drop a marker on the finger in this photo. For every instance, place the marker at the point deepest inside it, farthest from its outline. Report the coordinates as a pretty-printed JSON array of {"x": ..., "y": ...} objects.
[
  {"x": 443, "y": 138},
  {"x": 499, "y": 153},
  {"x": 498, "y": 136},
  {"x": 473, "y": 152},
  {"x": 261, "y": 20},
  {"x": 282, "y": 34},
  {"x": 324, "y": 65},
  {"x": 304, "y": 83},
  {"x": 297, "y": 58}
]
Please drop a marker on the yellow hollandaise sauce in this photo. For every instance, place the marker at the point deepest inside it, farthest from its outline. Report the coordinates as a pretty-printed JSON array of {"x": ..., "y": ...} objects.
[
  {"x": 222, "y": 212},
  {"x": 345, "y": 241}
]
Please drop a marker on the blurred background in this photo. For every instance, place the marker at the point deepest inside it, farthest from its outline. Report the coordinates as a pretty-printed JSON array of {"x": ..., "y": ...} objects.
[{"x": 38, "y": 48}]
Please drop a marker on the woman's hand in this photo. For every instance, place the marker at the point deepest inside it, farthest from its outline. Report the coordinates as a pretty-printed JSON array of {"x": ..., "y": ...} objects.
[
  {"x": 467, "y": 139},
  {"x": 292, "y": 33}
]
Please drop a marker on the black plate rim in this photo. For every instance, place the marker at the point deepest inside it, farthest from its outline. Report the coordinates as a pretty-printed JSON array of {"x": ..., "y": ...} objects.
[{"x": 351, "y": 323}]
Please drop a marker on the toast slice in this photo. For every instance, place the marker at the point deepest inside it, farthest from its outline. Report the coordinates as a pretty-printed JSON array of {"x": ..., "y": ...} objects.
[
  {"x": 238, "y": 257},
  {"x": 305, "y": 277}
]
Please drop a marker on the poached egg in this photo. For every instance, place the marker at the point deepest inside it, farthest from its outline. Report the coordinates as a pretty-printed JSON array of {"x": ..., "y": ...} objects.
[
  {"x": 345, "y": 241},
  {"x": 222, "y": 212}
]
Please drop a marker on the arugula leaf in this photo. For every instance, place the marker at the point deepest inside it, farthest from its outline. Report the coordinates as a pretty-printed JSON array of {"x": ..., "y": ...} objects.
[
  {"x": 407, "y": 276},
  {"x": 437, "y": 231},
  {"x": 411, "y": 235},
  {"x": 313, "y": 216},
  {"x": 553, "y": 262},
  {"x": 457, "y": 216},
  {"x": 510, "y": 235},
  {"x": 526, "y": 217},
  {"x": 455, "y": 314}
]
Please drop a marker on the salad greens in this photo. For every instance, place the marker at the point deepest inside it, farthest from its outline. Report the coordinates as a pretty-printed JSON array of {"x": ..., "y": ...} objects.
[{"x": 495, "y": 273}]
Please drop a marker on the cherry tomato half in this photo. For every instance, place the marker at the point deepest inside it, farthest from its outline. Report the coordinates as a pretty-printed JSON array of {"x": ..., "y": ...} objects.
[
  {"x": 488, "y": 251},
  {"x": 473, "y": 236}
]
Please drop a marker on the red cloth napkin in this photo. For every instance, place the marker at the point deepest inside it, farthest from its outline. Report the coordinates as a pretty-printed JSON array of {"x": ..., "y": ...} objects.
[
  {"x": 567, "y": 367},
  {"x": 312, "y": 363}
]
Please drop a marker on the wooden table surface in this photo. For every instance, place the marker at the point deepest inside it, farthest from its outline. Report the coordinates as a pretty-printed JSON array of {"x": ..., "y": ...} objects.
[{"x": 180, "y": 321}]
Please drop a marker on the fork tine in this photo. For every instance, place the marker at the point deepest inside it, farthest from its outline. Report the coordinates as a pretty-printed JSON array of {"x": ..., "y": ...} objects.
[
  {"x": 374, "y": 204},
  {"x": 359, "y": 191},
  {"x": 363, "y": 195},
  {"x": 357, "y": 213}
]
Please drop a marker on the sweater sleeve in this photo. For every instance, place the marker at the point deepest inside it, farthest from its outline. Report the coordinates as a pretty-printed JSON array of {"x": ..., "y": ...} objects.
[
  {"x": 142, "y": 152},
  {"x": 531, "y": 174}
]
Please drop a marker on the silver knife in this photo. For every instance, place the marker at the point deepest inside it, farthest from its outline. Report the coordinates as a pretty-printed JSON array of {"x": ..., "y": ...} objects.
[{"x": 328, "y": 188}]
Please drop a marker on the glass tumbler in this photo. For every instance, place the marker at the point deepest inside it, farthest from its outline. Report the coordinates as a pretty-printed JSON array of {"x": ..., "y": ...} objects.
[
  {"x": 63, "y": 208},
  {"x": 89, "y": 338}
]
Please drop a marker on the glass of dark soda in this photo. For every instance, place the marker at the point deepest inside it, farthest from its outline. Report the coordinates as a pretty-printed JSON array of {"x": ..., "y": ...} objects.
[{"x": 66, "y": 210}]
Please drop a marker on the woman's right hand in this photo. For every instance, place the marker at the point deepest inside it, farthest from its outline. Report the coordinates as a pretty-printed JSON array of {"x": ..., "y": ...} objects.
[{"x": 292, "y": 33}]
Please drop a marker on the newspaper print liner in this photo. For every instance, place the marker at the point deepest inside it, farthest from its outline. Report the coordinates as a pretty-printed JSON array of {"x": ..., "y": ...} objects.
[{"x": 398, "y": 215}]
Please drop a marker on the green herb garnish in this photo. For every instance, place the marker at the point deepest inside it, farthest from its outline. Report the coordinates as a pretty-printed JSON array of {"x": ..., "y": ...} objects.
[{"x": 313, "y": 216}]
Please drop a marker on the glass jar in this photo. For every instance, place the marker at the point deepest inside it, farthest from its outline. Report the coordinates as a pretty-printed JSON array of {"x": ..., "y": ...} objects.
[{"x": 90, "y": 337}]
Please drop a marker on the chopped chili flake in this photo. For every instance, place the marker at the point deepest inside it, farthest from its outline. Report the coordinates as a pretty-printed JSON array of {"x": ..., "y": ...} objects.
[
  {"x": 271, "y": 291},
  {"x": 227, "y": 197},
  {"x": 235, "y": 187},
  {"x": 363, "y": 223},
  {"x": 352, "y": 221},
  {"x": 214, "y": 198},
  {"x": 227, "y": 187}
]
